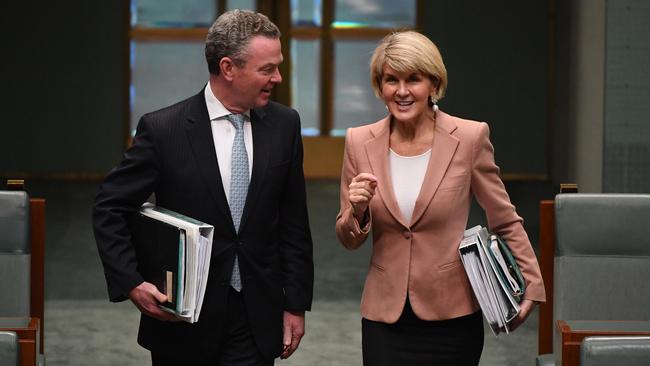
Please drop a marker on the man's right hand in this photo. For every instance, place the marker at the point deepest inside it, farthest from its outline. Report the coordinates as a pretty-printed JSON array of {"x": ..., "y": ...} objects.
[{"x": 146, "y": 297}]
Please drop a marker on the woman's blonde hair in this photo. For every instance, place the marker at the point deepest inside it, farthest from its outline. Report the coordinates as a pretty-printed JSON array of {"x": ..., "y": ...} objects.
[{"x": 408, "y": 51}]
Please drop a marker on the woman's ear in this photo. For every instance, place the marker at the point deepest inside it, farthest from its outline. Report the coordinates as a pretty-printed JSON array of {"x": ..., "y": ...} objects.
[
  {"x": 434, "y": 93},
  {"x": 435, "y": 83}
]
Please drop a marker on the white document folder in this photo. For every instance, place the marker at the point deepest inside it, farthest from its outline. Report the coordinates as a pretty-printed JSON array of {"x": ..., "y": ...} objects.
[
  {"x": 493, "y": 294},
  {"x": 194, "y": 259}
]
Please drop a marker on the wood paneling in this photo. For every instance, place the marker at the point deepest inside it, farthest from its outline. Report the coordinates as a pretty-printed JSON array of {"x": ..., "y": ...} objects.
[
  {"x": 323, "y": 157},
  {"x": 168, "y": 34}
]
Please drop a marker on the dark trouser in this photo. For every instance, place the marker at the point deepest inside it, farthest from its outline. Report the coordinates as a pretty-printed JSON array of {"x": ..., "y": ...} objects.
[
  {"x": 237, "y": 346},
  {"x": 412, "y": 341}
]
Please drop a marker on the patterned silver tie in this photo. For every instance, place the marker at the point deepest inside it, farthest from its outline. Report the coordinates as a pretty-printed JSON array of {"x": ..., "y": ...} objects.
[{"x": 238, "y": 185}]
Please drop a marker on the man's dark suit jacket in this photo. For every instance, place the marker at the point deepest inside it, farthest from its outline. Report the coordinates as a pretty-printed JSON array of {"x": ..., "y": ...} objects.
[{"x": 173, "y": 156}]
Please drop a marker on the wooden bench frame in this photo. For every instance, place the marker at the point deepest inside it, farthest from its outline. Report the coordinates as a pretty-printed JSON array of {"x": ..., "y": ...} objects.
[{"x": 37, "y": 242}]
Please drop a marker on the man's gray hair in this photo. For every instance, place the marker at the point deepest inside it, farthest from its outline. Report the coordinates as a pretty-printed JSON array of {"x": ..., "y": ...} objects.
[{"x": 231, "y": 33}]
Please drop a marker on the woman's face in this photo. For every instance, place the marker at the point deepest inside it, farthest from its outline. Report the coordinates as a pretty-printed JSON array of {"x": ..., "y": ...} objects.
[{"x": 406, "y": 94}]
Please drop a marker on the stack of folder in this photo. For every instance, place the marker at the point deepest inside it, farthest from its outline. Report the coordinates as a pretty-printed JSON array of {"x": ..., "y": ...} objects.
[
  {"x": 495, "y": 278},
  {"x": 173, "y": 253}
]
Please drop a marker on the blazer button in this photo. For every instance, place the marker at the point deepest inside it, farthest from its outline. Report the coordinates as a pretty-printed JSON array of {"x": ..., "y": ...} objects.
[{"x": 407, "y": 234}]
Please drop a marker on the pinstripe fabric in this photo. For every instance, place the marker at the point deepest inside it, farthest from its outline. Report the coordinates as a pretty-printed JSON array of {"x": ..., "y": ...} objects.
[{"x": 174, "y": 155}]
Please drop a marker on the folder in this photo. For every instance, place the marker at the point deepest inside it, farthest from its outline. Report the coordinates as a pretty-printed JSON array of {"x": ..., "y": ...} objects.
[
  {"x": 497, "y": 290},
  {"x": 159, "y": 249},
  {"x": 507, "y": 269},
  {"x": 173, "y": 253}
]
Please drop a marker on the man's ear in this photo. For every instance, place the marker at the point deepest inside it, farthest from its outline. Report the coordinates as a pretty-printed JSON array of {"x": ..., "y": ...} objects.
[{"x": 226, "y": 66}]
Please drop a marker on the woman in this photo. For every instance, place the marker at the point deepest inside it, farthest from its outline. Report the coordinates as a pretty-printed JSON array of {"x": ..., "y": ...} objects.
[{"x": 410, "y": 178}]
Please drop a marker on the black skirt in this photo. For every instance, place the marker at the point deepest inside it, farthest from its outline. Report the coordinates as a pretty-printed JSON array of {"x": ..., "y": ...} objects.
[{"x": 412, "y": 341}]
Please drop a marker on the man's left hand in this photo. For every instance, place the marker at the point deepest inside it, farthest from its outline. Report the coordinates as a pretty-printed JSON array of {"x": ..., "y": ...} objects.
[
  {"x": 526, "y": 308},
  {"x": 294, "y": 329}
]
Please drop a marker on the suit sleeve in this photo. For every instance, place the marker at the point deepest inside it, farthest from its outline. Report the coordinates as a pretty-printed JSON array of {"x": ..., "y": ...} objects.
[
  {"x": 295, "y": 236},
  {"x": 123, "y": 191},
  {"x": 501, "y": 214},
  {"x": 348, "y": 229}
]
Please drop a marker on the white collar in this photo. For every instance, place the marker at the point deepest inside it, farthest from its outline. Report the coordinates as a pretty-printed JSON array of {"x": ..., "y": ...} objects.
[{"x": 216, "y": 109}]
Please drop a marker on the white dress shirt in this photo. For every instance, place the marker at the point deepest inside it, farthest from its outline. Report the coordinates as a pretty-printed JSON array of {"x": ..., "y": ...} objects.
[
  {"x": 223, "y": 133},
  {"x": 407, "y": 174}
]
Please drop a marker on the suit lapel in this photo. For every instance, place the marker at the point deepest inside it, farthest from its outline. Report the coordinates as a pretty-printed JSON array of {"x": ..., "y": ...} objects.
[
  {"x": 377, "y": 151},
  {"x": 199, "y": 134},
  {"x": 443, "y": 150},
  {"x": 261, "y": 149}
]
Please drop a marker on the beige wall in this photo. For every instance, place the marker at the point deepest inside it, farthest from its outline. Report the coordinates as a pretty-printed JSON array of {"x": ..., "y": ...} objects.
[
  {"x": 323, "y": 157},
  {"x": 587, "y": 83}
]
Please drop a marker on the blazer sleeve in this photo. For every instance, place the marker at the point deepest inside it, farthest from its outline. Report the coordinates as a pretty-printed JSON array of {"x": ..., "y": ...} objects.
[
  {"x": 123, "y": 191},
  {"x": 501, "y": 214},
  {"x": 295, "y": 236},
  {"x": 348, "y": 229}
]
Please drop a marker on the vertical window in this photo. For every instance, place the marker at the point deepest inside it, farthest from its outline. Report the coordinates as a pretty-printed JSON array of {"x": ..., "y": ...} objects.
[
  {"x": 354, "y": 100},
  {"x": 327, "y": 54},
  {"x": 167, "y": 62},
  {"x": 305, "y": 83},
  {"x": 334, "y": 93}
]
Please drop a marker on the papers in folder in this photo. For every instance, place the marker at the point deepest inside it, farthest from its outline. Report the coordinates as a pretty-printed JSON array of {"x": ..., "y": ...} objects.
[
  {"x": 173, "y": 253},
  {"x": 492, "y": 289}
]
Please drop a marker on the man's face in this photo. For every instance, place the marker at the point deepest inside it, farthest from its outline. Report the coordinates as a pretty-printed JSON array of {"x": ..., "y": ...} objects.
[{"x": 252, "y": 83}]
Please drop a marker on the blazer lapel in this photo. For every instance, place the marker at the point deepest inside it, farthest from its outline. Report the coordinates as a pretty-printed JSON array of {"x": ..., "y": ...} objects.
[
  {"x": 261, "y": 149},
  {"x": 377, "y": 151},
  {"x": 199, "y": 134},
  {"x": 443, "y": 150}
]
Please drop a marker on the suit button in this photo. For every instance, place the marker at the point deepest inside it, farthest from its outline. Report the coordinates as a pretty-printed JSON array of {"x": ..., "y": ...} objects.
[{"x": 407, "y": 234}]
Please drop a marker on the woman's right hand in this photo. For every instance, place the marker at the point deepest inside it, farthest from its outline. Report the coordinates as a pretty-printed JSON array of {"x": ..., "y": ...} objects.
[{"x": 361, "y": 191}]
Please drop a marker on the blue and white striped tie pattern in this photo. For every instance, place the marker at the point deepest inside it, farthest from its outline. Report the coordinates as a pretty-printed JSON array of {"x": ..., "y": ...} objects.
[{"x": 238, "y": 185}]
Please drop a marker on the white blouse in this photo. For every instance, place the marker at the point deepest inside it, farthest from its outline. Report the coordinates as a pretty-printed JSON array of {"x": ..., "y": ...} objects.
[{"x": 407, "y": 174}]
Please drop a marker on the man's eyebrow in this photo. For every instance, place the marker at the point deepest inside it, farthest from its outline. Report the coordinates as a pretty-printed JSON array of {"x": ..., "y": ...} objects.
[{"x": 269, "y": 65}]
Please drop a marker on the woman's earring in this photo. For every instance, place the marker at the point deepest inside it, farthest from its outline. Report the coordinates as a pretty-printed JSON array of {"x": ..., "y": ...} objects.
[{"x": 434, "y": 107}]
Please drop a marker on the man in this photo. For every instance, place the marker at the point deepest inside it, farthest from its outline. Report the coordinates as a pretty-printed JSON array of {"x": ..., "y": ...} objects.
[{"x": 198, "y": 157}]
